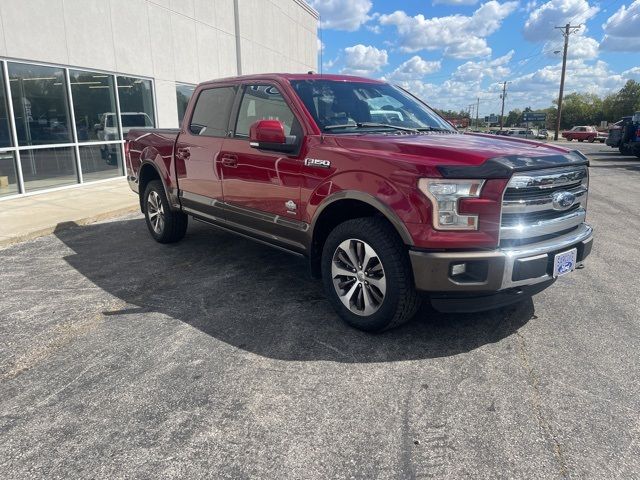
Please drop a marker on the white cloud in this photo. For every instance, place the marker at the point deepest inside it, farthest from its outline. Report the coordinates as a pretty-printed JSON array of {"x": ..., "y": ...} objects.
[
  {"x": 475, "y": 71},
  {"x": 342, "y": 14},
  {"x": 537, "y": 89},
  {"x": 541, "y": 87},
  {"x": 622, "y": 30},
  {"x": 632, "y": 74},
  {"x": 454, "y": 2},
  {"x": 473, "y": 47},
  {"x": 542, "y": 21},
  {"x": 580, "y": 48},
  {"x": 414, "y": 69},
  {"x": 364, "y": 60},
  {"x": 460, "y": 36}
]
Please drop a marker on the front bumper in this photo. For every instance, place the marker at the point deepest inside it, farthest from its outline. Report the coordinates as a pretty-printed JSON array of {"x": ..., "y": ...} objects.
[{"x": 496, "y": 270}]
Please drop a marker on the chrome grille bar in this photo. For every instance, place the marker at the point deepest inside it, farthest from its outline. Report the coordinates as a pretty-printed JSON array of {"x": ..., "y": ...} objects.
[{"x": 531, "y": 206}]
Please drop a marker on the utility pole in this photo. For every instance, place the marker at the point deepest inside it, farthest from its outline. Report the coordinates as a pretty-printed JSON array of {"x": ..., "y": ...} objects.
[
  {"x": 568, "y": 30},
  {"x": 477, "y": 112},
  {"x": 503, "y": 96}
]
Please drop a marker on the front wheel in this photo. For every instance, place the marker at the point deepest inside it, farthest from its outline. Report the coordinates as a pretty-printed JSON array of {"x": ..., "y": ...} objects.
[
  {"x": 164, "y": 224},
  {"x": 367, "y": 275},
  {"x": 591, "y": 140}
]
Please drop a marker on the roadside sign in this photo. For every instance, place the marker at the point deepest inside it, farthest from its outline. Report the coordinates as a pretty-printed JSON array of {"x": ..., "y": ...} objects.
[
  {"x": 534, "y": 116},
  {"x": 491, "y": 119}
]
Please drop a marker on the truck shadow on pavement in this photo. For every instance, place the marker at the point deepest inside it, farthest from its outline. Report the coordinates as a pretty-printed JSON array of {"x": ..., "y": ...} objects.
[{"x": 259, "y": 299}]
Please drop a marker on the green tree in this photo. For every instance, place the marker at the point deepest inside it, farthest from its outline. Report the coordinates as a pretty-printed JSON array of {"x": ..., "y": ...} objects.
[
  {"x": 625, "y": 102},
  {"x": 581, "y": 109},
  {"x": 513, "y": 118}
]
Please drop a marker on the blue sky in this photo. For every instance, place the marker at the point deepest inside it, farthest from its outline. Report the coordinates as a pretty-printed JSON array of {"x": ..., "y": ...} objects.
[{"x": 451, "y": 52}]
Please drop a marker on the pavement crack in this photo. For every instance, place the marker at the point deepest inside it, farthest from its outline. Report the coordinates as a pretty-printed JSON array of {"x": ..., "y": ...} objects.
[{"x": 536, "y": 403}]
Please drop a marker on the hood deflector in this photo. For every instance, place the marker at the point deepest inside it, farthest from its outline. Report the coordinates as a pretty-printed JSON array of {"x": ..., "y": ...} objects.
[{"x": 505, "y": 167}]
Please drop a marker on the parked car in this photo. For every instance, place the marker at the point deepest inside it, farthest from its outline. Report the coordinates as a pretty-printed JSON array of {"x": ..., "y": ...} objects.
[
  {"x": 384, "y": 212},
  {"x": 616, "y": 130},
  {"x": 107, "y": 130},
  {"x": 521, "y": 133},
  {"x": 585, "y": 133},
  {"x": 543, "y": 134}
]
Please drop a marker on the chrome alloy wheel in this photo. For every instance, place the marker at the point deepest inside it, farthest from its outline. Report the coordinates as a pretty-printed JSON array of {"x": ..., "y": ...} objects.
[
  {"x": 155, "y": 210},
  {"x": 358, "y": 277}
]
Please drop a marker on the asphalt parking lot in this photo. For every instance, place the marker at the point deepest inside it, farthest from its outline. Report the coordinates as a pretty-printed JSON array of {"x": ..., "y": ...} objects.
[{"x": 219, "y": 358}]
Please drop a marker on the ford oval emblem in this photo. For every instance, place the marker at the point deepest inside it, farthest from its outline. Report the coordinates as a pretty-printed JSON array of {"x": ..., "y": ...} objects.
[{"x": 563, "y": 200}]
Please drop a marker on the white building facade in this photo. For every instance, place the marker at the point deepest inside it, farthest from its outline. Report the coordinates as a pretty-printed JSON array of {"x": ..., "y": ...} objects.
[{"x": 77, "y": 74}]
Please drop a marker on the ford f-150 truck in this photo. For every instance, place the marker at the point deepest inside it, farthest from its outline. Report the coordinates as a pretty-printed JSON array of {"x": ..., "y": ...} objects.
[
  {"x": 585, "y": 134},
  {"x": 381, "y": 195}
]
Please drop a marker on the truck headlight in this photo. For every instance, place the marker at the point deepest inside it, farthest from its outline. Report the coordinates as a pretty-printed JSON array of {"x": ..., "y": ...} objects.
[{"x": 445, "y": 195}]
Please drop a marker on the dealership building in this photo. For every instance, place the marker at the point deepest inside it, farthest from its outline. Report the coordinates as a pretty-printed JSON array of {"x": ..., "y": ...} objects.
[{"x": 76, "y": 75}]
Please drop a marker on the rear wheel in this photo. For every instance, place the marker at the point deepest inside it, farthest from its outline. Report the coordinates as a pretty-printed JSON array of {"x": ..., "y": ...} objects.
[
  {"x": 164, "y": 224},
  {"x": 367, "y": 275}
]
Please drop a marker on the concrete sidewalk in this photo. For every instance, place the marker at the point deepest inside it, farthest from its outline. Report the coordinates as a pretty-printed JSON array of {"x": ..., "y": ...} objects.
[{"x": 36, "y": 215}]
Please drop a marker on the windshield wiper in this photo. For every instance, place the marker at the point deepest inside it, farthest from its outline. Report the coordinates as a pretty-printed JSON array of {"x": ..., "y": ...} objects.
[
  {"x": 370, "y": 125},
  {"x": 433, "y": 129}
]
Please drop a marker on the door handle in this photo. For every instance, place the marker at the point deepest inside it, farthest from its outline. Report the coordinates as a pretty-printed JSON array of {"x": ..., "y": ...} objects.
[
  {"x": 183, "y": 153},
  {"x": 229, "y": 160}
]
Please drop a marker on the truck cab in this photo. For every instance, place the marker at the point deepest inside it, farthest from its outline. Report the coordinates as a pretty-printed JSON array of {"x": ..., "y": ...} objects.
[{"x": 389, "y": 204}]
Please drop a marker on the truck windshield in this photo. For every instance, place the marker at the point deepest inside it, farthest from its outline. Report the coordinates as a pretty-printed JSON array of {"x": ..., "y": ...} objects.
[{"x": 346, "y": 107}]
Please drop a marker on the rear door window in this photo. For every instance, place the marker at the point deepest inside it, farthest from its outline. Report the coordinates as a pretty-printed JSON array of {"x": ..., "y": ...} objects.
[{"x": 211, "y": 114}]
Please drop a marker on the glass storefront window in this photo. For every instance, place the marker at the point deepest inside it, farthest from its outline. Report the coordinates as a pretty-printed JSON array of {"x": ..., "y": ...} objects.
[
  {"x": 183, "y": 95},
  {"x": 48, "y": 167},
  {"x": 40, "y": 104},
  {"x": 101, "y": 161},
  {"x": 136, "y": 103},
  {"x": 8, "y": 178},
  {"x": 94, "y": 106},
  {"x": 5, "y": 126}
]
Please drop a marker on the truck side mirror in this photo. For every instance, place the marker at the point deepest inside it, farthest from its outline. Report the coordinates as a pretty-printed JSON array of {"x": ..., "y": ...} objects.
[{"x": 269, "y": 135}]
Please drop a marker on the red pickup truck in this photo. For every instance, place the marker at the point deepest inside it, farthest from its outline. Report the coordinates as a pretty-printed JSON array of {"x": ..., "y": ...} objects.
[
  {"x": 381, "y": 195},
  {"x": 585, "y": 134}
]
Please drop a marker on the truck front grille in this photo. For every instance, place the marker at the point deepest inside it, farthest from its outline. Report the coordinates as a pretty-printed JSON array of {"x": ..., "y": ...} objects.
[{"x": 543, "y": 203}]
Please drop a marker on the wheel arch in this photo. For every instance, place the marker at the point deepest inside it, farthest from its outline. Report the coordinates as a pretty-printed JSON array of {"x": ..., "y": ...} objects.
[
  {"x": 148, "y": 172},
  {"x": 346, "y": 205}
]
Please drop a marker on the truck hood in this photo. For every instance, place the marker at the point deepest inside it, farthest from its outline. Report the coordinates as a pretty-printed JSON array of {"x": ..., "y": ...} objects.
[{"x": 454, "y": 149}]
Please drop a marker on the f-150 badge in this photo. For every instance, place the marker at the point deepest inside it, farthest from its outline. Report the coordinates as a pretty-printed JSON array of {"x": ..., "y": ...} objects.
[{"x": 316, "y": 162}]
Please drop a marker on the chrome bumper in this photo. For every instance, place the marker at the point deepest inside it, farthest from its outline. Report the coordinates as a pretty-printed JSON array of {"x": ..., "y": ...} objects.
[{"x": 498, "y": 269}]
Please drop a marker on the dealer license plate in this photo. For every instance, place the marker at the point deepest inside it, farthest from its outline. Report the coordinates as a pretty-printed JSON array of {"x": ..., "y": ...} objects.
[{"x": 565, "y": 262}]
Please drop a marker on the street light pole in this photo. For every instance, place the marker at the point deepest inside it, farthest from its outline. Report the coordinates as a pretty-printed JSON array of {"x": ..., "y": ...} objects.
[{"x": 568, "y": 30}]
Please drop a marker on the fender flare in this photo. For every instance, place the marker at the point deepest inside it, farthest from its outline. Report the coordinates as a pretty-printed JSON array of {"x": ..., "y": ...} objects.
[
  {"x": 148, "y": 157},
  {"x": 369, "y": 199},
  {"x": 173, "y": 201}
]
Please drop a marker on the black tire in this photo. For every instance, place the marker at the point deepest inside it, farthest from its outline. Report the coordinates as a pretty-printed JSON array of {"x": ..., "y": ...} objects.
[
  {"x": 401, "y": 301},
  {"x": 624, "y": 150},
  {"x": 174, "y": 223},
  {"x": 591, "y": 140}
]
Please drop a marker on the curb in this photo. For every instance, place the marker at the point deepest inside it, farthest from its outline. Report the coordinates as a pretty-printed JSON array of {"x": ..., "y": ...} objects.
[{"x": 68, "y": 224}]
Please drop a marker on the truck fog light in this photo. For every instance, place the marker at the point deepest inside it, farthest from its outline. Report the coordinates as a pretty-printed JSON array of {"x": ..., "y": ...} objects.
[{"x": 458, "y": 269}]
